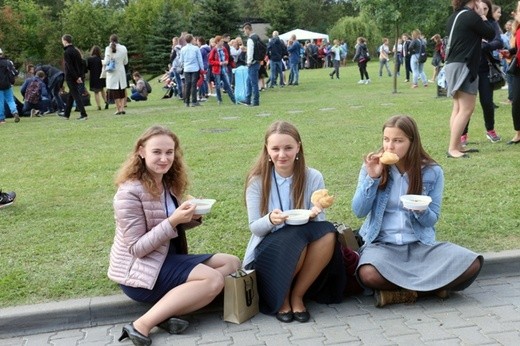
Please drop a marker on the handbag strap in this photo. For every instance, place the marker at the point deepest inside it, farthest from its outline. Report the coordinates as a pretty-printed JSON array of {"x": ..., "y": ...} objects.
[{"x": 448, "y": 46}]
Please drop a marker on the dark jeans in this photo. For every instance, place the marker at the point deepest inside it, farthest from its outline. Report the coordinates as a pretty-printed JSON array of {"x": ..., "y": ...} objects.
[
  {"x": 252, "y": 85},
  {"x": 190, "y": 78},
  {"x": 485, "y": 93},
  {"x": 407, "y": 66},
  {"x": 74, "y": 95}
]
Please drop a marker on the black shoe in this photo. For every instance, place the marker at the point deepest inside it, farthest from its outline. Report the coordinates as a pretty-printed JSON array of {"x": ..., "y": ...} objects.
[
  {"x": 174, "y": 325},
  {"x": 137, "y": 338},
  {"x": 16, "y": 118},
  {"x": 7, "y": 198},
  {"x": 513, "y": 142},
  {"x": 106, "y": 105},
  {"x": 83, "y": 118},
  {"x": 285, "y": 317},
  {"x": 301, "y": 316},
  {"x": 463, "y": 156}
]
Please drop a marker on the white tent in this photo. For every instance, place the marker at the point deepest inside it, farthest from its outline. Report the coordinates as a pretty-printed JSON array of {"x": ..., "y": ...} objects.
[{"x": 303, "y": 35}]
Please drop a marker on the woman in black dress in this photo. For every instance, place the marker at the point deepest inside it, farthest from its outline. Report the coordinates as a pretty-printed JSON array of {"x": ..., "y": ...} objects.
[{"x": 97, "y": 84}]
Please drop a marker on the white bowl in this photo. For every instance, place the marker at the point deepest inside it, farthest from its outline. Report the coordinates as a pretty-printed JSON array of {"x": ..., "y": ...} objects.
[
  {"x": 297, "y": 216},
  {"x": 416, "y": 202},
  {"x": 203, "y": 206}
]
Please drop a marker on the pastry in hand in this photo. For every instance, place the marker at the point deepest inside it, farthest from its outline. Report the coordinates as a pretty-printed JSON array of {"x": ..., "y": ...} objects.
[
  {"x": 322, "y": 198},
  {"x": 388, "y": 158}
]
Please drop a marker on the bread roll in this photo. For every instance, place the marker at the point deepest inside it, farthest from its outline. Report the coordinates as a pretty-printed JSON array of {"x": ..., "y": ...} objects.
[
  {"x": 322, "y": 198},
  {"x": 388, "y": 158}
]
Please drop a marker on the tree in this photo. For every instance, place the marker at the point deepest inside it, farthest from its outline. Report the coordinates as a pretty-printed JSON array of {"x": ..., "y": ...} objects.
[
  {"x": 392, "y": 17},
  {"x": 215, "y": 17}
]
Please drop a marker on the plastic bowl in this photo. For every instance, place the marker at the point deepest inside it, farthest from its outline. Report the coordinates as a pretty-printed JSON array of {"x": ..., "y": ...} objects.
[
  {"x": 416, "y": 202},
  {"x": 203, "y": 206},
  {"x": 297, "y": 216}
]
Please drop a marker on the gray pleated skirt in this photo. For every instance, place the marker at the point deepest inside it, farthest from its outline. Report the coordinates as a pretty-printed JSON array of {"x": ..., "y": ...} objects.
[
  {"x": 420, "y": 267},
  {"x": 458, "y": 78},
  {"x": 276, "y": 258}
]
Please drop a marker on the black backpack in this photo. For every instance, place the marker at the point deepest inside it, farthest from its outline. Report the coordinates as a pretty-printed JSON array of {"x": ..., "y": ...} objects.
[
  {"x": 422, "y": 53},
  {"x": 260, "y": 48}
]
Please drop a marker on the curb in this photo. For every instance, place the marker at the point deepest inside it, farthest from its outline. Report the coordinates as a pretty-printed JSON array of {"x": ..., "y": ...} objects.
[{"x": 91, "y": 312}]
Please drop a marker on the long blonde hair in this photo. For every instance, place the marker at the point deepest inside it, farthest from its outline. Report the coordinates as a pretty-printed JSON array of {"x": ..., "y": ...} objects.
[
  {"x": 263, "y": 168},
  {"x": 134, "y": 168}
]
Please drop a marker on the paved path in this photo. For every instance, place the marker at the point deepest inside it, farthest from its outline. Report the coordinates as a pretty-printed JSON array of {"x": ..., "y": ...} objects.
[{"x": 487, "y": 313}]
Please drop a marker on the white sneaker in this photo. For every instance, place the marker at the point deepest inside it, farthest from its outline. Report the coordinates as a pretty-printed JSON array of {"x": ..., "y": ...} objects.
[
  {"x": 362, "y": 81},
  {"x": 368, "y": 81}
]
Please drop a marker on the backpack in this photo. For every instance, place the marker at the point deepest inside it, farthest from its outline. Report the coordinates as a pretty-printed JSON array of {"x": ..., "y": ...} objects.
[
  {"x": 32, "y": 93},
  {"x": 148, "y": 87},
  {"x": 260, "y": 48},
  {"x": 422, "y": 53}
]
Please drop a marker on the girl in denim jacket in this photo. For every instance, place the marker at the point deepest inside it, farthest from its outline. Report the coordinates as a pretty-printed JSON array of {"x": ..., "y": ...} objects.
[{"x": 401, "y": 259}]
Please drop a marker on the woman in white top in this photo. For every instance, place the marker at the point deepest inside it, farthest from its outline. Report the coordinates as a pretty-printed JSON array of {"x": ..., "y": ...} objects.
[{"x": 116, "y": 79}]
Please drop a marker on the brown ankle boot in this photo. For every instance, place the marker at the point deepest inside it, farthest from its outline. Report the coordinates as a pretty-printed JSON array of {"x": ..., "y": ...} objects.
[{"x": 394, "y": 297}]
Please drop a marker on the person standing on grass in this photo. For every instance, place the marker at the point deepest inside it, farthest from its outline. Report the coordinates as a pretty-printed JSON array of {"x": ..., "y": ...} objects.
[
  {"x": 361, "y": 57},
  {"x": 336, "y": 51},
  {"x": 514, "y": 85},
  {"x": 191, "y": 62},
  {"x": 294, "y": 49},
  {"x": 485, "y": 89},
  {"x": 401, "y": 258},
  {"x": 149, "y": 257},
  {"x": 462, "y": 61},
  {"x": 384, "y": 58},
  {"x": 7, "y": 75},
  {"x": 253, "y": 64},
  {"x": 97, "y": 84},
  {"x": 219, "y": 60},
  {"x": 73, "y": 71},
  {"x": 116, "y": 80}
]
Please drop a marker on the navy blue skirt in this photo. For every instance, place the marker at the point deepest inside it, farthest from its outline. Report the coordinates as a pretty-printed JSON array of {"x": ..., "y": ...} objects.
[
  {"x": 276, "y": 258},
  {"x": 174, "y": 272}
]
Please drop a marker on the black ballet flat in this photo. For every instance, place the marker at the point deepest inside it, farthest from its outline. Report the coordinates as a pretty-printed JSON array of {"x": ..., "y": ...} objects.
[
  {"x": 463, "y": 156},
  {"x": 301, "y": 316},
  {"x": 137, "y": 338},
  {"x": 285, "y": 317},
  {"x": 174, "y": 325},
  {"x": 513, "y": 142},
  {"x": 470, "y": 150}
]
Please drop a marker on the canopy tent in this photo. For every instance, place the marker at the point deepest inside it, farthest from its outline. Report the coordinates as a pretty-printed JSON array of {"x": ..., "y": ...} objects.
[{"x": 303, "y": 35}]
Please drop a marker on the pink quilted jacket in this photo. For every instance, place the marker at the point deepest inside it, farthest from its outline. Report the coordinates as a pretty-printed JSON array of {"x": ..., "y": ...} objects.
[{"x": 142, "y": 237}]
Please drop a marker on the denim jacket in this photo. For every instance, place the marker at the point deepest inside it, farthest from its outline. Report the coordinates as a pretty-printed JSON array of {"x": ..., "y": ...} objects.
[{"x": 371, "y": 202}]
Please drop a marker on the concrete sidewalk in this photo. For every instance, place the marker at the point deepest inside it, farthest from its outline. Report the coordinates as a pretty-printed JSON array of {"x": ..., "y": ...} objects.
[{"x": 91, "y": 313}]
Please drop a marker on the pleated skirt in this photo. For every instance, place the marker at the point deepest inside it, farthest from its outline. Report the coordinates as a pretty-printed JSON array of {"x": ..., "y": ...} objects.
[
  {"x": 420, "y": 267},
  {"x": 276, "y": 258}
]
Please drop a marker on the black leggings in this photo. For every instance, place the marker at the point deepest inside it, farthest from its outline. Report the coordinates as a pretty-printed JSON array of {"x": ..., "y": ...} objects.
[{"x": 363, "y": 70}]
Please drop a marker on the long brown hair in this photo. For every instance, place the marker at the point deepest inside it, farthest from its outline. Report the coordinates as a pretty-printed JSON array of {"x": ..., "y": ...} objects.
[
  {"x": 415, "y": 158},
  {"x": 114, "y": 40},
  {"x": 134, "y": 168},
  {"x": 263, "y": 167}
]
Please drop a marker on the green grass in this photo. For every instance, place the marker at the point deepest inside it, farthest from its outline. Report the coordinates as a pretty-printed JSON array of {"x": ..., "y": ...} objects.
[{"x": 55, "y": 240}]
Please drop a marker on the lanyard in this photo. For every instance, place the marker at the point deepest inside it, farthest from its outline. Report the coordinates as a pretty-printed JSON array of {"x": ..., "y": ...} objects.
[
  {"x": 174, "y": 200},
  {"x": 277, "y": 190}
]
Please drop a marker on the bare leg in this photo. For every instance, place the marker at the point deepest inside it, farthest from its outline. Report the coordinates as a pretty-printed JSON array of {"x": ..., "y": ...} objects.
[
  {"x": 463, "y": 106},
  {"x": 223, "y": 263},
  {"x": 317, "y": 257},
  {"x": 203, "y": 285},
  {"x": 370, "y": 277},
  {"x": 98, "y": 99}
]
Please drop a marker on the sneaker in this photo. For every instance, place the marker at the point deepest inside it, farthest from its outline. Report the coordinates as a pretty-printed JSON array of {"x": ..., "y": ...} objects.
[
  {"x": 414, "y": 86},
  {"x": 368, "y": 81},
  {"x": 16, "y": 118},
  {"x": 361, "y": 81},
  {"x": 464, "y": 140},
  {"x": 493, "y": 137},
  {"x": 6, "y": 198},
  {"x": 394, "y": 297}
]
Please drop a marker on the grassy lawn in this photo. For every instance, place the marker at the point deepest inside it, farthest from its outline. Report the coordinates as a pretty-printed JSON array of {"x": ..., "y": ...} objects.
[{"x": 55, "y": 240}]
